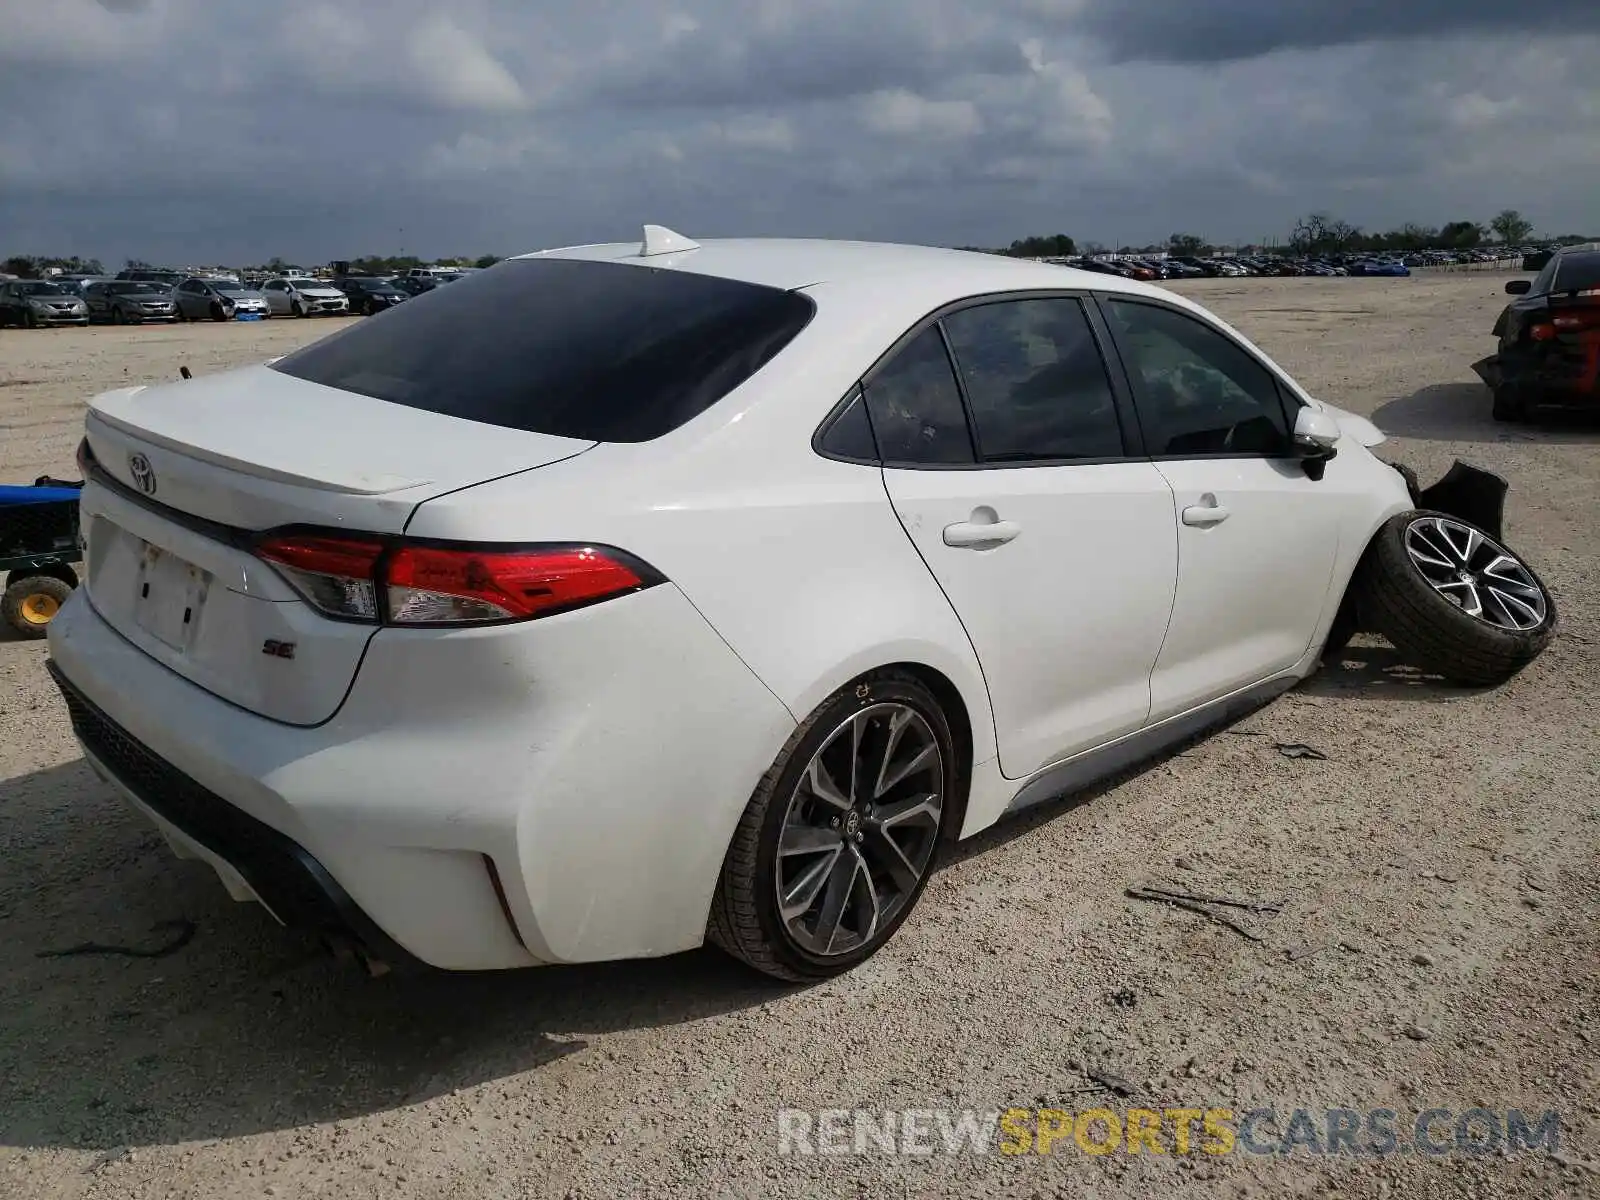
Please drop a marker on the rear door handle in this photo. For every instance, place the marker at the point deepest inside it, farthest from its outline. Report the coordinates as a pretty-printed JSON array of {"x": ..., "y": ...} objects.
[
  {"x": 971, "y": 535},
  {"x": 1207, "y": 512}
]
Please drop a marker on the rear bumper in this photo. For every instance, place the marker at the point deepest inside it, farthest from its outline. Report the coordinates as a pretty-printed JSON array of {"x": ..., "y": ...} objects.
[
  {"x": 253, "y": 860},
  {"x": 560, "y": 791},
  {"x": 1557, "y": 382}
]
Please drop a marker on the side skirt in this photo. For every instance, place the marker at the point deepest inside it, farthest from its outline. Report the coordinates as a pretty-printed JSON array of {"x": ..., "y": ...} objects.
[{"x": 1082, "y": 770}]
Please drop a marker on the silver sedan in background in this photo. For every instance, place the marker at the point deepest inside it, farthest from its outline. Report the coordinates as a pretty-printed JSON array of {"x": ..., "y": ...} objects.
[
  {"x": 129, "y": 301},
  {"x": 199, "y": 299}
]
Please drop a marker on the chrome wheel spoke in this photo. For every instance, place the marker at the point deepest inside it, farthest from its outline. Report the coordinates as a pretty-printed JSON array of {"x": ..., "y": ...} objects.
[
  {"x": 1476, "y": 574},
  {"x": 822, "y": 785},
  {"x": 797, "y": 899}
]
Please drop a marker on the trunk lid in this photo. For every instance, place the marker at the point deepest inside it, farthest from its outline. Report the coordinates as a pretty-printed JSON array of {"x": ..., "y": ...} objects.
[{"x": 197, "y": 467}]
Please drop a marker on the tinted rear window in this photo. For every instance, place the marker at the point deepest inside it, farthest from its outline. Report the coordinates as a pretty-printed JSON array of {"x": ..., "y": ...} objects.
[
  {"x": 1577, "y": 272},
  {"x": 600, "y": 351}
]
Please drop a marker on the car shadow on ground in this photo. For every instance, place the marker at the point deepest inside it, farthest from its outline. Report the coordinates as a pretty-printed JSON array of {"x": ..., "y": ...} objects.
[
  {"x": 1460, "y": 412},
  {"x": 246, "y": 1027},
  {"x": 1375, "y": 670}
]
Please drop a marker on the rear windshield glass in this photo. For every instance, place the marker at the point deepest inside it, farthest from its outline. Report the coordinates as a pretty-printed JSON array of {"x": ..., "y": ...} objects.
[
  {"x": 1577, "y": 272},
  {"x": 600, "y": 351}
]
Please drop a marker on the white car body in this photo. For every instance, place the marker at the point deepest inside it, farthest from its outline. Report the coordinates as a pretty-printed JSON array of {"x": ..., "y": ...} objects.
[
  {"x": 295, "y": 295},
  {"x": 565, "y": 789}
]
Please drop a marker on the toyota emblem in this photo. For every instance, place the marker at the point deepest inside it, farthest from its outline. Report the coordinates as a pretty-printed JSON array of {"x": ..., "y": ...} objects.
[{"x": 143, "y": 475}]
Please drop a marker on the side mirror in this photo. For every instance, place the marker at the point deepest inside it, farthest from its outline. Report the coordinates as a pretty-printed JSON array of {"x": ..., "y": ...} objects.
[
  {"x": 1519, "y": 287},
  {"x": 1315, "y": 433},
  {"x": 1315, "y": 436}
]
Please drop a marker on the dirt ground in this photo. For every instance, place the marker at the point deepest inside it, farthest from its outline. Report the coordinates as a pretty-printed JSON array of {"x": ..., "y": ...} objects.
[{"x": 1438, "y": 944}]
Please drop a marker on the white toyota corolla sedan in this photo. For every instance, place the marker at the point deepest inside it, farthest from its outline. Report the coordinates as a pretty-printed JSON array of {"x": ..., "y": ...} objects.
[{"x": 625, "y": 596}]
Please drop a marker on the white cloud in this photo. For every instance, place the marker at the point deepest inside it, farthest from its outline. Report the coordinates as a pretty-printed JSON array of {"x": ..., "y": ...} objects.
[
  {"x": 756, "y": 131},
  {"x": 458, "y": 71},
  {"x": 897, "y": 112}
]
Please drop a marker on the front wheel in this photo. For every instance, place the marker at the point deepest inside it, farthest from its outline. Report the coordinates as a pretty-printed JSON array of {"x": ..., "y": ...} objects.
[
  {"x": 841, "y": 834},
  {"x": 29, "y": 321},
  {"x": 1452, "y": 600},
  {"x": 298, "y": 309}
]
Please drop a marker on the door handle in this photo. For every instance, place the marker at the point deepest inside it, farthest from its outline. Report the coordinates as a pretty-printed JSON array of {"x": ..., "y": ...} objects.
[
  {"x": 971, "y": 535},
  {"x": 1207, "y": 512}
]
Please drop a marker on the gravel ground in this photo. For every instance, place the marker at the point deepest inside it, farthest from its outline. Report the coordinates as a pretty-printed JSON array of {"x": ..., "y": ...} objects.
[{"x": 1437, "y": 944}]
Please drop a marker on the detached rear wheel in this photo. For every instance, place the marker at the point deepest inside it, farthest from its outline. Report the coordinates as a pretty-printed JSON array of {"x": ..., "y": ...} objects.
[
  {"x": 1452, "y": 600},
  {"x": 841, "y": 834}
]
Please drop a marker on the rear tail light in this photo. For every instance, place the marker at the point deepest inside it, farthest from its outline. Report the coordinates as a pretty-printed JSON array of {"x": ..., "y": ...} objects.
[
  {"x": 410, "y": 583},
  {"x": 337, "y": 575}
]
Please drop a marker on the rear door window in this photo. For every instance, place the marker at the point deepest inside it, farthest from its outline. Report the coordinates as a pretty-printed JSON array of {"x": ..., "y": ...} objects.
[
  {"x": 598, "y": 351},
  {"x": 1035, "y": 380}
]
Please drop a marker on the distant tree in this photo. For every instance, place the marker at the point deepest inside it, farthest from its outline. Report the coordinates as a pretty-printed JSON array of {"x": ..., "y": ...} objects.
[
  {"x": 136, "y": 264},
  {"x": 21, "y": 266},
  {"x": 276, "y": 265},
  {"x": 1511, "y": 227},
  {"x": 1053, "y": 246},
  {"x": 1461, "y": 235},
  {"x": 1186, "y": 244},
  {"x": 484, "y": 261},
  {"x": 1092, "y": 248}
]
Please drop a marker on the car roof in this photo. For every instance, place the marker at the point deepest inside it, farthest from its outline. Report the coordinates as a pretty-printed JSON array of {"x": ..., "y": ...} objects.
[{"x": 795, "y": 263}]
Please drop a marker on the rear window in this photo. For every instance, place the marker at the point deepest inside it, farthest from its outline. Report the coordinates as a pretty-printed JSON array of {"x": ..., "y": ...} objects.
[
  {"x": 600, "y": 351},
  {"x": 1577, "y": 272}
]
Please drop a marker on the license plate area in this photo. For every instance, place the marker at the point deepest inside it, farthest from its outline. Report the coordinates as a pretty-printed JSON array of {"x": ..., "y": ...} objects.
[{"x": 169, "y": 597}]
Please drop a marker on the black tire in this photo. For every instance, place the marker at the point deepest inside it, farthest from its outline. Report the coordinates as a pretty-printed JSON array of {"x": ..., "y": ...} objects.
[
  {"x": 29, "y": 603},
  {"x": 118, "y": 317},
  {"x": 1430, "y": 632},
  {"x": 298, "y": 309},
  {"x": 369, "y": 309},
  {"x": 217, "y": 314},
  {"x": 29, "y": 321},
  {"x": 744, "y": 919}
]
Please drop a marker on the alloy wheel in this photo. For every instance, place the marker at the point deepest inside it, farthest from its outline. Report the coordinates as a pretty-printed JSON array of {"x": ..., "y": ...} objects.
[
  {"x": 860, "y": 829},
  {"x": 1476, "y": 574}
]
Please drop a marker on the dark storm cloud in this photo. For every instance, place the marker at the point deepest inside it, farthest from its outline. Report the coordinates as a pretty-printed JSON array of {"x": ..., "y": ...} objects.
[
  {"x": 1208, "y": 31},
  {"x": 200, "y": 131}
]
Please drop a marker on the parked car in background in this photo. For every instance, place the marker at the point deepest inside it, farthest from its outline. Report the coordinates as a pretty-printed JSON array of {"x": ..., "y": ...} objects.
[
  {"x": 1549, "y": 353},
  {"x": 35, "y": 302},
  {"x": 302, "y": 296},
  {"x": 158, "y": 275},
  {"x": 370, "y": 294},
  {"x": 129, "y": 301},
  {"x": 202, "y": 299},
  {"x": 415, "y": 285}
]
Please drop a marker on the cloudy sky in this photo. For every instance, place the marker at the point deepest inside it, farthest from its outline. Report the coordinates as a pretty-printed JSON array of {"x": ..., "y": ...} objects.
[{"x": 196, "y": 130}]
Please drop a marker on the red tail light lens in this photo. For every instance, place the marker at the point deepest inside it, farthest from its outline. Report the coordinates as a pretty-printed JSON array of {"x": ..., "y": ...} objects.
[
  {"x": 449, "y": 585},
  {"x": 338, "y": 576},
  {"x": 432, "y": 586}
]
